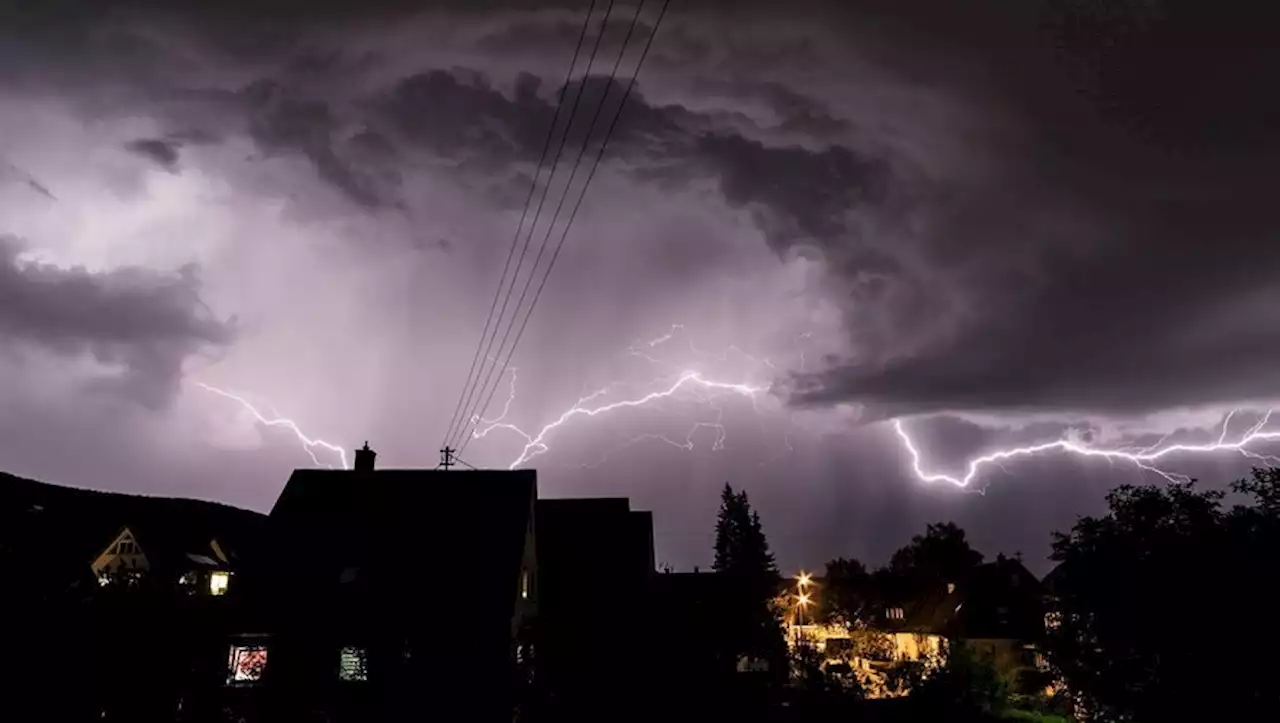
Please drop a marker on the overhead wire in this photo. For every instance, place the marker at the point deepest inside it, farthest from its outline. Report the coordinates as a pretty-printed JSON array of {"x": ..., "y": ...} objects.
[
  {"x": 578, "y": 203},
  {"x": 467, "y": 416},
  {"x": 533, "y": 188},
  {"x": 564, "y": 195}
]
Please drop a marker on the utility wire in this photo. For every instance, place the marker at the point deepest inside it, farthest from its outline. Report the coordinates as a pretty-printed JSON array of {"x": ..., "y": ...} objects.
[
  {"x": 577, "y": 204},
  {"x": 528, "y": 203},
  {"x": 458, "y": 427},
  {"x": 542, "y": 249}
]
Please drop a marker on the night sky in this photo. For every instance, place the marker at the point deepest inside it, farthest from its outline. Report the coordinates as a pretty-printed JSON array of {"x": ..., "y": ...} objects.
[{"x": 1001, "y": 222}]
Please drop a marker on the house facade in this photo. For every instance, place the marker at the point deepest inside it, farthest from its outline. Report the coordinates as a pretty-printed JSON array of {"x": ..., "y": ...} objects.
[
  {"x": 393, "y": 592},
  {"x": 997, "y": 611}
]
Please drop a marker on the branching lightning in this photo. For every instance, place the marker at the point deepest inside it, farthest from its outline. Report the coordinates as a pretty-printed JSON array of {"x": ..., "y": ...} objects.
[
  {"x": 1147, "y": 459},
  {"x": 1144, "y": 458},
  {"x": 308, "y": 444},
  {"x": 536, "y": 444},
  {"x": 696, "y": 385}
]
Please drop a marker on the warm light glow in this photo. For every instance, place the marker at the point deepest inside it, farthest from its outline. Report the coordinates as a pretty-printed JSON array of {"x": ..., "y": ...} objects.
[
  {"x": 804, "y": 578},
  {"x": 803, "y": 599},
  {"x": 246, "y": 663},
  {"x": 218, "y": 582}
]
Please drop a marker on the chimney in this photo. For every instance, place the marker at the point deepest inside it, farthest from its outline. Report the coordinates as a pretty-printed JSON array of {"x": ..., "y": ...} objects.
[{"x": 364, "y": 459}]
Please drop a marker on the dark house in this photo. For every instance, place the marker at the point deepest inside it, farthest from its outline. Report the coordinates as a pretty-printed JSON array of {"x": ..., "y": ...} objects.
[
  {"x": 595, "y": 565},
  {"x": 394, "y": 593}
]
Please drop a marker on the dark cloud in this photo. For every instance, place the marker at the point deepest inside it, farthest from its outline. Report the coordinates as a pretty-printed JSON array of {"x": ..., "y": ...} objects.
[
  {"x": 1113, "y": 252},
  {"x": 163, "y": 153},
  {"x": 142, "y": 321},
  {"x": 356, "y": 164},
  {"x": 458, "y": 114}
]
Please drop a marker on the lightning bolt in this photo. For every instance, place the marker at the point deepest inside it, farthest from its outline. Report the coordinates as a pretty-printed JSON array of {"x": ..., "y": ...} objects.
[
  {"x": 1144, "y": 458},
  {"x": 308, "y": 444},
  {"x": 536, "y": 444},
  {"x": 1147, "y": 459}
]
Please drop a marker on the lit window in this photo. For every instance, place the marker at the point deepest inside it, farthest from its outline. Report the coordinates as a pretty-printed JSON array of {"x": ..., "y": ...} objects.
[
  {"x": 894, "y": 613},
  {"x": 524, "y": 584},
  {"x": 353, "y": 664},
  {"x": 218, "y": 582},
  {"x": 246, "y": 663}
]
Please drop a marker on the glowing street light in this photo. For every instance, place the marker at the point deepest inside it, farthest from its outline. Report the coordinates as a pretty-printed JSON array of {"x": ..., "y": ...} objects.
[
  {"x": 803, "y": 599},
  {"x": 804, "y": 579}
]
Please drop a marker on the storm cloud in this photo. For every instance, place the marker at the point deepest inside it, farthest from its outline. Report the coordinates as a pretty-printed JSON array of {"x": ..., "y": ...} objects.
[
  {"x": 145, "y": 323},
  {"x": 981, "y": 214}
]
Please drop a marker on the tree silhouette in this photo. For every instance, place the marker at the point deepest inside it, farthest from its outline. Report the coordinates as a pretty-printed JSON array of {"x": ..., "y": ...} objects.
[
  {"x": 847, "y": 594},
  {"x": 940, "y": 555},
  {"x": 743, "y": 559},
  {"x": 1161, "y": 608},
  {"x": 741, "y": 547}
]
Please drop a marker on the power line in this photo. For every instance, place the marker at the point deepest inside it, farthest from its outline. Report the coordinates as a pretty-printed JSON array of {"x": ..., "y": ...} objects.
[
  {"x": 528, "y": 202},
  {"x": 577, "y": 204},
  {"x": 458, "y": 426},
  {"x": 577, "y": 163}
]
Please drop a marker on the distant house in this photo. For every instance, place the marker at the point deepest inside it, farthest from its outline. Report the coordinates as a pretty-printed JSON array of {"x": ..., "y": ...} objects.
[
  {"x": 997, "y": 610},
  {"x": 394, "y": 590},
  {"x": 131, "y": 652},
  {"x": 76, "y": 538},
  {"x": 196, "y": 564}
]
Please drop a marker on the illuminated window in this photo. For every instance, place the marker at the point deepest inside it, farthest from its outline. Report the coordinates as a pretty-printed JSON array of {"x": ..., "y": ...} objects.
[
  {"x": 894, "y": 613},
  {"x": 218, "y": 582},
  {"x": 524, "y": 584},
  {"x": 246, "y": 663},
  {"x": 353, "y": 664}
]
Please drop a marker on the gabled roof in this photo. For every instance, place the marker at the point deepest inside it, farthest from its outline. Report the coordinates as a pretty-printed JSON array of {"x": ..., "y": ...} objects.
[{"x": 171, "y": 546}]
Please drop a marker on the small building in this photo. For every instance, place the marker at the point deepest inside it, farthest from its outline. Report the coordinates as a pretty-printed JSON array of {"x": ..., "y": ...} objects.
[{"x": 187, "y": 560}]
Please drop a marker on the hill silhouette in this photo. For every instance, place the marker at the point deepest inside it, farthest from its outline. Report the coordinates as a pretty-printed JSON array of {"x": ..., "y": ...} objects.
[{"x": 56, "y": 531}]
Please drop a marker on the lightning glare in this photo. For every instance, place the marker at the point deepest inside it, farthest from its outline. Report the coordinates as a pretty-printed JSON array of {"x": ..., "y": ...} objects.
[
  {"x": 308, "y": 444},
  {"x": 695, "y": 385},
  {"x": 1144, "y": 458},
  {"x": 536, "y": 444}
]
